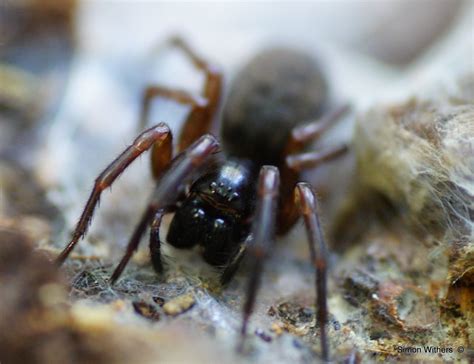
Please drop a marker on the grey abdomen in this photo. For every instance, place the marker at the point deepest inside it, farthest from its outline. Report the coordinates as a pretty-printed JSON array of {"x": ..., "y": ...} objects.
[{"x": 277, "y": 90}]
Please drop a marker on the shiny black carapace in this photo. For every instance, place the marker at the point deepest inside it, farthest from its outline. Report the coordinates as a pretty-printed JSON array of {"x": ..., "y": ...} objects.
[{"x": 232, "y": 200}]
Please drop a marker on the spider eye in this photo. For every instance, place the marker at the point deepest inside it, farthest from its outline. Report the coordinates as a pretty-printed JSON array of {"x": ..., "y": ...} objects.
[
  {"x": 198, "y": 213},
  {"x": 219, "y": 223},
  {"x": 213, "y": 187},
  {"x": 233, "y": 197}
]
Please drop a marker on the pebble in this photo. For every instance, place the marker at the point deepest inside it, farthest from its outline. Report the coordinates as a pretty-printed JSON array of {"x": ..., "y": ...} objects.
[{"x": 179, "y": 304}]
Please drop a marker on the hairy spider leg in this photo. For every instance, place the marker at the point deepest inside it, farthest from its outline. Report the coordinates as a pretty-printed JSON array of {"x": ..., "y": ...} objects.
[
  {"x": 191, "y": 159},
  {"x": 299, "y": 162},
  {"x": 155, "y": 135},
  {"x": 203, "y": 107},
  {"x": 303, "y": 202},
  {"x": 306, "y": 199},
  {"x": 167, "y": 191},
  {"x": 303, "y": 134},
  {"x": 197, "y": 124},
  {"x": 155, "y": 242},
  {"x": 296, "y": 161},
  {"x": 263, "y": 232},
  {"x": 234, "y": 261},
  {"x": 134, "y": 241}
]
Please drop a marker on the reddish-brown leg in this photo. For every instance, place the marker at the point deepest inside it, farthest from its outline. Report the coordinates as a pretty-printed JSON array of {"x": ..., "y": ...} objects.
[
  {"x": 287, "y": 211},
  {"x": 204, "y": 107},
  {"x": 155, "y": 241},
  {"x": 161, "y": 156},
  {"x": 167, "y": 191},
  {"x": 234, "y": 262},
  {"x": 300, "y": 136},
  {"x": 290, "y": 171},
  {"x": 306, "y": 200},
  {"x": 150, "y": 137},
  {"x": 294, "y": 163},
  {"x": 196, "y": 125},
  {"x": 151, "y": 92},
  {"x": 199, "y": 124},
  {"x": 303, "y": 134},
  {"x": 263, "y": 232},
  {"x": 299, "y": 162},
  {"x": 134, "y": 241}
]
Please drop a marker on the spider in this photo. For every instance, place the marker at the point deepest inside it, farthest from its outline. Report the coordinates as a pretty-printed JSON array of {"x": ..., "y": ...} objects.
[{"x": 233, "y": 203}]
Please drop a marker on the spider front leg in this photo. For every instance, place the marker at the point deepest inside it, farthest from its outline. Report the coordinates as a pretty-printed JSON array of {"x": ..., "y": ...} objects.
[
  {"x": 306, "y": 200},
  {"x": 155, "y": 241},
  {"x": 166, "y": 194},
  {"x": 153, "y": 136},
  {"x": 134, "y": 241},
  {"x": 263, "y": 232},
  {"x": 234, "y": 261}
]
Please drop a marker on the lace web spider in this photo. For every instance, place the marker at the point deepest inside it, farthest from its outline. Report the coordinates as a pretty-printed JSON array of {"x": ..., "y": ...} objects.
[{"x": 235, "y": 202}]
